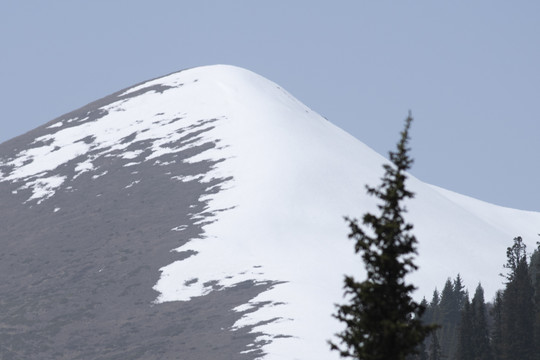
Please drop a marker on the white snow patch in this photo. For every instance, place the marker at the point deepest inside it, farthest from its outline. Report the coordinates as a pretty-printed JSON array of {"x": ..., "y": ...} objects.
[
  {"x": 94, "y": 177},
  {"x": 132, "y": 184},
  {"x": 83, "y": 167},
  {"x": 42, "y": 159},
  {"x": 44, "y": 188},
  {"x": 179, "y": 228},
  {"x": 164, "y": 163},
  {"x": 244, "y": 307},
  {"x": 55, "y": 125},
  {"x": 131, "y": 154},
  {"x": 188, "y": 178}
]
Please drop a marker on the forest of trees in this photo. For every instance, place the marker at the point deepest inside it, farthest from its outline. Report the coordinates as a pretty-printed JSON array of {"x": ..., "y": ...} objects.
[{"x": 471, "y": 329}]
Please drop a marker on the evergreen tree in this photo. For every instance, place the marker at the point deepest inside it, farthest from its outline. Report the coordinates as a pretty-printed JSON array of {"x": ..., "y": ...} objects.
[
  {"x": 496, "y": 332},
  {"x": 447, "y": 314},
  {"x": 434, "y": 347},
  {"x": 431, "y": 315},
  {"x": 459, "y": 292},
  {"x": 517, "y": 306},
  {"x": 464, "y": 350},
  {"x": 452, "y": 298},
  {"x": 421, "y": 352},
  {"x": 382, "y": 320},
  {"x": 534, "y": 270},
  {"x": 514, "y": 256},
  {"x": 435, "y": 298},
  {"x": 480, "y": 334}
]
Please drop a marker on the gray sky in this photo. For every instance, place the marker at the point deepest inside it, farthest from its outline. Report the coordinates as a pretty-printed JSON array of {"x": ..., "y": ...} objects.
[{"x": 469, "y": 71}]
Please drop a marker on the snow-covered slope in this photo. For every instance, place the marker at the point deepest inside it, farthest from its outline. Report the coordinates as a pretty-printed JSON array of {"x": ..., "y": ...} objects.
[{"x": 278, "y": 181}]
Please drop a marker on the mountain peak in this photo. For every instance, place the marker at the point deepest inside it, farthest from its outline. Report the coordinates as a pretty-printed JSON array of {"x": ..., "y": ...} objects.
[{"x": 203, "y": 205}]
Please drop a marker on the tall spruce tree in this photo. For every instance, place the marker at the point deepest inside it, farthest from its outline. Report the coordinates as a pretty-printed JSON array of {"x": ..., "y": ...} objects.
[
  {"x": 517, "y": 306},
  {"x": 382, "y": 320},
  {"x": 496, "y": 331},
  {"x": 515, "y": 254},
  {"x": 459, "y": 292},
  {"x": 421, "y": 351},
  {"x": 434, "y": 352},
  {"x": 431, "y": 315},
  {"x": 534, "y": 267},
  {"x": 480, "y": 334},
  {"x": 534, "y": 270},
  {"x": 464, "y": 350},
  {"x": 452, "y": 298}
]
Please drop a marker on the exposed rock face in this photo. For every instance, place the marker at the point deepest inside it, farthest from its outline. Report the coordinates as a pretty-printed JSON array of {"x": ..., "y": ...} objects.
[{"x": 79, "y": 260}]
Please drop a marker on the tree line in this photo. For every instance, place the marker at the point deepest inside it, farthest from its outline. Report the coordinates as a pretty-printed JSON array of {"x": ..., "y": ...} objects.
[
  {"x": 471, "y": 329},
  {"x": 381, "y": 319}
]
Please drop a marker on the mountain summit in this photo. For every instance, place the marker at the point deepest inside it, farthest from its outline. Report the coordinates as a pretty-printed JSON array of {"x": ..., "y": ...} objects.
[{"x": 200, "y": 216}]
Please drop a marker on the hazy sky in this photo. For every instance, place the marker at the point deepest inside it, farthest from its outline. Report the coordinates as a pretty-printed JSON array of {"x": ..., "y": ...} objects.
[{"x": 468, "y": 70}]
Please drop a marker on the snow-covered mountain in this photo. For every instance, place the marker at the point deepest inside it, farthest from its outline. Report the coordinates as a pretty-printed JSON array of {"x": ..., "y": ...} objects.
[{"x": 200, "y": 216}]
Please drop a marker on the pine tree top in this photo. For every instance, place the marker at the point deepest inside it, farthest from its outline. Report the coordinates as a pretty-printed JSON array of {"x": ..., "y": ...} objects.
[{"x": 383, "y": 321}]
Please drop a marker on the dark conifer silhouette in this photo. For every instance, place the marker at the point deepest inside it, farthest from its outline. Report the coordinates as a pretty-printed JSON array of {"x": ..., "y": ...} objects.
[
  {"x": 480, "y": 332},
  {"x": 517, "y": 306},
  {"x": 465, "y": 349},
  {"x": 511, "y": 328},
  {"x": 496, "y": 331},
  {"x": 382, "y": 320},
  {"x": 534, "y": 270},
  {"x": 434, "y": 347},
  {"x": 452, "y": 298}
]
